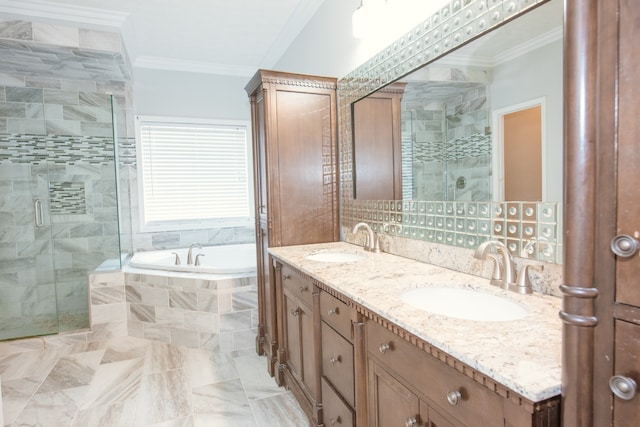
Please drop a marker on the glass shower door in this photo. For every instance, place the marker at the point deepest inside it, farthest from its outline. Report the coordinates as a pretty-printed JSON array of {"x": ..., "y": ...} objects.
[{"x": 27, "y": 281}]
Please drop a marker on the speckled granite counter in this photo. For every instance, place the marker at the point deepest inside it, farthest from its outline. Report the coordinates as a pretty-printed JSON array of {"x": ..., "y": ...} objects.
[{"x": 523, "y": 354}]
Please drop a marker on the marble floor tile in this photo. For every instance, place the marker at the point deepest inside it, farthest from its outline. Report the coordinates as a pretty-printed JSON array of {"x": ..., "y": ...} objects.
[
  {"x": 255, "y": 378},
  {"x": 281, "y": 411},
  {"x": 53, "y": 409},
  {"x": 114, "y": 382},
  {"x": 163, "y": 396},
  {"x": 75, "y": 381}
]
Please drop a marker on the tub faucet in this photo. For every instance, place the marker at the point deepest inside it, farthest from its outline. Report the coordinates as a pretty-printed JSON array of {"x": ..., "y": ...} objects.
[
  {"x": 507, "y": 269},
  {"x": 190, "y": 253},
  {"x": 372, "y": 244}
]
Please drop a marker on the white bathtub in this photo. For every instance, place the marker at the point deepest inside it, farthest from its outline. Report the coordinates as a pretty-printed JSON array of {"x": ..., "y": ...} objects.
[{"x": 226, "y": 259}]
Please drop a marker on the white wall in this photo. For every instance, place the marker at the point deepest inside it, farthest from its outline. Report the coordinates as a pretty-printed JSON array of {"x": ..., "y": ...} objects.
[
  {"x": 327, "y": 47},
  {"x": 194, "y": 95},
  {"x": 527, "y": 77}
]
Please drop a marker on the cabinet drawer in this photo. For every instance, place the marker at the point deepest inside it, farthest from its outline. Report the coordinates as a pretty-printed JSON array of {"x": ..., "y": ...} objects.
[
  {"x": 335, "y": 412},
  {"x": 337, "y": 362},
  {"x": 433, "y": 379},
  {"x": 297, "y": 285},
  {"x": 336, "y": 313}
]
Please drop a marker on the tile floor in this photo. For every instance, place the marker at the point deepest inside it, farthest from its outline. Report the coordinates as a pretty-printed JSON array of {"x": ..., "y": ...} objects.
[{"x": 68, "y": 381}]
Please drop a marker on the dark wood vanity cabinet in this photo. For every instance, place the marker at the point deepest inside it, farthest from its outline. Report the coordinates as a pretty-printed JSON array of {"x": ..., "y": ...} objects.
[
  {"x": 350, "y": 367},
  {"x": 294, "y": 134},
  {"x": 298, "y": 339}
]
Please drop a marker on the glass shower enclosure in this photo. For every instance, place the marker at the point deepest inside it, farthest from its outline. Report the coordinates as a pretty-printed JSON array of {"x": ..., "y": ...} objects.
[{"x": 58, "y": 214}]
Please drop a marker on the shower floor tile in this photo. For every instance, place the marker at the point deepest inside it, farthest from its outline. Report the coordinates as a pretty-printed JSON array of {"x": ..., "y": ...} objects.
[{"x": 133, "y": 382}]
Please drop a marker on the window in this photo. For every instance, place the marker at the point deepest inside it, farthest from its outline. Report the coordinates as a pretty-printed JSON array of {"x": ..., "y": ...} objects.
[{"x": 193, "y": 174}]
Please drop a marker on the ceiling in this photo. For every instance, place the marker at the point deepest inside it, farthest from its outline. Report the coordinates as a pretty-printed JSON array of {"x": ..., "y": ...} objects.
[{"x": 219, "y": 36}]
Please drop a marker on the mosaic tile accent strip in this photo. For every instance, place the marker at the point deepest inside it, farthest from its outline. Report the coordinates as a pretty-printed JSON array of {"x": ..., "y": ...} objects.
[
  {"x": 68, "y": 150},
  {"x": 67, "y": 198}
]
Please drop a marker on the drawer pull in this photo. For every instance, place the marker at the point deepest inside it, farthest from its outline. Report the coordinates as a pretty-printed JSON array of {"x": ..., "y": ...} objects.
[
  {"x": 335, "y": 359},
  {"x": 286, "y": 276},
  {"x": 411, "y": 422},
  {"x": 336, "y": 420},
  {"x": 384, "y": 347},
  {"x": 454, "y": 397},
  {"x": 333, "y": 311},
  {"x": 304, "y": 289},
  {"x": 295, "y": 312}
]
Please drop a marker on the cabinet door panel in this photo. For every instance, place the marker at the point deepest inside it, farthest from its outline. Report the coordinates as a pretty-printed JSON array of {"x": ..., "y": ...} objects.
[
  {"x": 308, "y": 355},
  {"x": 305, "y": 138},
  {"x": 627, "y": 412},
  {"x": 390, "y": 403},
  {"x": 292, "y": 333}
]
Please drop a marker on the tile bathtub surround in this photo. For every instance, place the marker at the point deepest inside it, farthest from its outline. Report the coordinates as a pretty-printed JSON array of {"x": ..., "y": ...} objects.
[
  {"x": 72, "y": 380},
  {"x": 217, "y": 314}
]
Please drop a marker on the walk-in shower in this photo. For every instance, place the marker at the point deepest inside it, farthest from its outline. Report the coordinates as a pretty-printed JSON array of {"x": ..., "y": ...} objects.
[
  {"x": 60, "y": 131},
  {"x": 446, "y": 141}
]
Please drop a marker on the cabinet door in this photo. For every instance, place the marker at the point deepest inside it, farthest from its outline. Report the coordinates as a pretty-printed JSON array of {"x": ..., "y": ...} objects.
[
  {"x": 627, "y": 290},
  {"x": 300, "y": 345},
  {"x": 293, "y": 342},
  {"x": 302, "y": 186},
  {"x": 391, "y": 404}
]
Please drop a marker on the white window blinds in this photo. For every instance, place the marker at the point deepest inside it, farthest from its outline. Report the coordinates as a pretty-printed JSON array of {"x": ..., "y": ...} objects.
[{"x": 193, "y": 172}]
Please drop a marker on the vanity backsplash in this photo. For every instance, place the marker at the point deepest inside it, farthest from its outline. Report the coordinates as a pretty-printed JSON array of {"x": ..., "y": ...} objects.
[{"x": 446, "y": 234}]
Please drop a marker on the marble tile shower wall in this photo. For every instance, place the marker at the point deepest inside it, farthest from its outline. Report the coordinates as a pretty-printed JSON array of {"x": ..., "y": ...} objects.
[
  {"x": 74, "y": 177},
  {"x": 451, "y": 149}
]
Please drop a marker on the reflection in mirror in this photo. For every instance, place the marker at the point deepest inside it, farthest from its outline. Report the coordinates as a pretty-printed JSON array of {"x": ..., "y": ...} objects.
[{"x": 465, "y": 132}]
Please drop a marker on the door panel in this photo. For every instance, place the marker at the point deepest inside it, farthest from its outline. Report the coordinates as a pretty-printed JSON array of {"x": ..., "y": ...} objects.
[
  {"x": 27, "y": 286},
  {"x": 391, "y": 404},
  {"x": 627, "y": 412}
]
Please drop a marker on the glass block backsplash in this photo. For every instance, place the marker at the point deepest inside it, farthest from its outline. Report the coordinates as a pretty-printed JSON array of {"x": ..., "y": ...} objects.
[{"x": 528, "y": 229}]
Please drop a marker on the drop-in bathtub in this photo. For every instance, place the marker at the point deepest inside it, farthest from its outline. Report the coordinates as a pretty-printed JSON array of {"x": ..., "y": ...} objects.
[{"x": 226, "y": 259}]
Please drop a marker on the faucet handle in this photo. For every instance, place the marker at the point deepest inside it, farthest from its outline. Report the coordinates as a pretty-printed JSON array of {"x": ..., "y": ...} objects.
[
  {"x": 197, "y": 263},
  {"x": 497, "y": 274},
  {"x": 177, "y": 260},
  {"x": 523, "y": 282}
]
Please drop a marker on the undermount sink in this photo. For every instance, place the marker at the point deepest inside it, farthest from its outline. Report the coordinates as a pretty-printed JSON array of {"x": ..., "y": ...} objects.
[
  {"x": 464, "y": 304},
  {"x": 335, "y": 257}
]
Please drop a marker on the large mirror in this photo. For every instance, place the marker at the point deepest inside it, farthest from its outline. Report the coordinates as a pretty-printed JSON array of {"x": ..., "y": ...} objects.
[{"x": 468, "y": 146}]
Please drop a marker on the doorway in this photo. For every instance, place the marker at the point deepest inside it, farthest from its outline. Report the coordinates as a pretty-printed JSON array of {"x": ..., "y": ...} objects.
[{"x": 519, "y": 147}]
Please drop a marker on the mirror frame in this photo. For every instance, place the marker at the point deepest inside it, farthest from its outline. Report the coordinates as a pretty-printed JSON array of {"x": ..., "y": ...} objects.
[{"x": 452, "y": 26}]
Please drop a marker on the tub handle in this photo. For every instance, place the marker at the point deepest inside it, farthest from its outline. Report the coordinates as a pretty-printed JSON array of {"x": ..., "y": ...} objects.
[
  {"x": 177, "y": 262},
  {"x": 197, "y": 263}
]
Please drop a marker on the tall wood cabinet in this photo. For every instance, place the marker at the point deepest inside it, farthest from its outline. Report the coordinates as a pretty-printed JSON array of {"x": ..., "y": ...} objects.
[
  {"x": 294, "y": 129},
  {"x": 377, "y": 144},
  {"x": 601, "y": 308}
]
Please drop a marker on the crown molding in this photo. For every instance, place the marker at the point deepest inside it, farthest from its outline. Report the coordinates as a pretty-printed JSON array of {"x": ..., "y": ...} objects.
[
  {"x": 63, "y": 13},
  {"x": 172, "y": 64},
  {"x": 509, "y": 54},
  {"x": 528, "y": 46}
]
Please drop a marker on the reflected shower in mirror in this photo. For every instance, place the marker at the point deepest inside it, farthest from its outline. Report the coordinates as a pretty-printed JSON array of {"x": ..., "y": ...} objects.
[{"x": 483, "y": 123}]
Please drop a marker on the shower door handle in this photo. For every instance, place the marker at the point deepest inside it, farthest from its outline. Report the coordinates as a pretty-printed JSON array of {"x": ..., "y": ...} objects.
[{"x": 37, "y": 212}]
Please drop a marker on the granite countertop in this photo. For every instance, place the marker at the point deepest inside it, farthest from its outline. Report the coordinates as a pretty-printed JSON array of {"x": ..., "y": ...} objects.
[{"x": 523, "y": 355}]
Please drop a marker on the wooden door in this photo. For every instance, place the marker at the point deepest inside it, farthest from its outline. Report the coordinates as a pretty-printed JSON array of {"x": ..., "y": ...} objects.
[
  {"x": 377, "y": 145},
  {"x": 293, "y": 343},
  {"x": 391, "y": 404},
  {"x": 601, "y": 307},
  {"x": 626, "y": 310},
  {"x": 304, "y": 204}
]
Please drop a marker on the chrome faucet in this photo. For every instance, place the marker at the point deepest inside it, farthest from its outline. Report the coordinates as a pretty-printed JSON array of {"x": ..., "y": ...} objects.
[
  {"x": 372, "y": 244},
  {"x": 190, "y": 253},
  {"x": 505, "y": 276}
]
